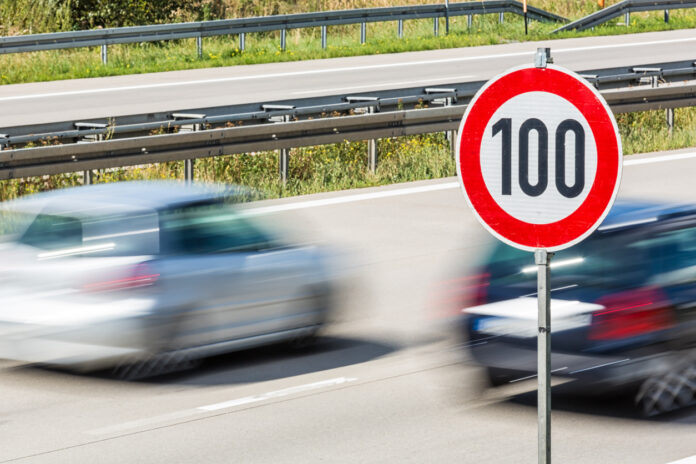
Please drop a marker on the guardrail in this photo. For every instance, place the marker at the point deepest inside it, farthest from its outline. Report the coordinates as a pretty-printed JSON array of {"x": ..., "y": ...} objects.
[
  {"x": 626, "y": 7},
  {"x": 54, "y": 159},
  {"x": 317, "y": 107},
  {"x": 241, "y": 26}
]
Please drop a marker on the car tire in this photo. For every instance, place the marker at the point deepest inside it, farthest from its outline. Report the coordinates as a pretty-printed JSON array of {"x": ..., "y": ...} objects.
[{"x": 497, "y": 376}]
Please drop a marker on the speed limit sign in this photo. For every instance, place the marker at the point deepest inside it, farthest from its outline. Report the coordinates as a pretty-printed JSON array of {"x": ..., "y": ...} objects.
[{"x": 539, "y": 157}]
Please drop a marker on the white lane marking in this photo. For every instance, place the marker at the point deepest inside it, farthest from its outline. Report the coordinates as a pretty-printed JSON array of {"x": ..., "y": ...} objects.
[
  {"x": 338, "y": 70},
  {"x": 275, "y": 394},
  {"x": 689, "y": 460},
  {"x": 148, "y": 421},
  {"x": 660, "y": 159},
  {"x": 384, "y": 84},
  {"x": 420, "y": 189},
  {"x": 349, "y": 198},
  {"x": 184, "y": 414}
]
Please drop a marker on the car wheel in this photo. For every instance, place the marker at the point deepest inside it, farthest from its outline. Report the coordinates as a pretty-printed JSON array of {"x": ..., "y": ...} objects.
[{"x": 497, "y": 377}]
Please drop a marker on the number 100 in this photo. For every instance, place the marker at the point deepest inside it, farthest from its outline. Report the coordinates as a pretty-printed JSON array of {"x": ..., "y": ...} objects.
[{"x": 504, "y": 125}]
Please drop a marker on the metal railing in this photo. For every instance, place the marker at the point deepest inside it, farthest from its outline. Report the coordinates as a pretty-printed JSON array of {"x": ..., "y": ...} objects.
[
  {"x": 54, "y": 159},
  {"x": 625, "y": 8},
  {"x": 72, "y": 131},
  {"x": 241, "y": 26}
]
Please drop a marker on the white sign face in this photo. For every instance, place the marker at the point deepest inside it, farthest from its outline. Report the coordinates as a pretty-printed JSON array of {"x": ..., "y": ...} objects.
[
  {"x": 539, "y": 157},
  {"x": 542, "y": 202}
]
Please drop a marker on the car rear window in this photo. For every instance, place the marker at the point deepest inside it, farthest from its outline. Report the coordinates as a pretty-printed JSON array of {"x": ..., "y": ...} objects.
[
  {"x": 603, "y": 260},
  {"x": 208, "y": 228}
]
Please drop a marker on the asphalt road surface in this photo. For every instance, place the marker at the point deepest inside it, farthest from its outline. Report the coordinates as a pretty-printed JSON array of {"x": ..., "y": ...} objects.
[
  {"x": 77, "y": 99},
  {"x": 387, "y": 383}
]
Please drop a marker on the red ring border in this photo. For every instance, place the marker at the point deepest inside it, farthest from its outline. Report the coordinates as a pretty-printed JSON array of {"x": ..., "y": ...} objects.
[{"x": 587, "y": 216}]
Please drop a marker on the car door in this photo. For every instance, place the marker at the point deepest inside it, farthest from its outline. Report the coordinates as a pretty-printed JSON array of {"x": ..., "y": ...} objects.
[{"x": 213, "y": 276}]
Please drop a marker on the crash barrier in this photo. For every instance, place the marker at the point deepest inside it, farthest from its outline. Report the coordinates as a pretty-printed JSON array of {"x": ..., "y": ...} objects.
[
  {"x": 282, "y": 126},
  {"x": 625, "y": 8},
  {"x": 241, "y": 26}
]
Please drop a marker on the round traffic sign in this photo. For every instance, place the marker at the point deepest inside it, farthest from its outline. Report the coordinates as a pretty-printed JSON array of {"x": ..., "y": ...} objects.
[{"x": 539, "y": 157}]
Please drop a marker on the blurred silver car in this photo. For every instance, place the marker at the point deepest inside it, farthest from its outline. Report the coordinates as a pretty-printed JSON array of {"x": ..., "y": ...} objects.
[{"x": 141, "y": 274}]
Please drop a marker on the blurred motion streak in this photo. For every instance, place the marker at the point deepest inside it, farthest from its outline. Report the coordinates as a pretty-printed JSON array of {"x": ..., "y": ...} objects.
[
  {"x": 146, "y": 278},
  {"x": 623, "y": 308}
]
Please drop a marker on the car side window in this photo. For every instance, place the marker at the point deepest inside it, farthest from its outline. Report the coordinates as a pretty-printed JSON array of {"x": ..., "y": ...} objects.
[
  {"x": 53, "y": 232},
  {"x": 208, "y": 228},
  {"x": 673, "y": 255}
]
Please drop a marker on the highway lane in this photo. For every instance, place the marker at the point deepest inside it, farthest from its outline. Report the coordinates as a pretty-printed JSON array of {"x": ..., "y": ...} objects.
[
  {"x": 388, "y": 383},
  {"x": 181, "y": 90}
]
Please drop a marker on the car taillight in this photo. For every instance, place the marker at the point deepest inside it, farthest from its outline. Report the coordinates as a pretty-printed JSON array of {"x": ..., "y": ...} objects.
[
  {"x": 451, "y": 296},
  {"x": 471, "y": 290},
  {"x": 630, "y": 314},
  {"x": 140, "y": 275}
]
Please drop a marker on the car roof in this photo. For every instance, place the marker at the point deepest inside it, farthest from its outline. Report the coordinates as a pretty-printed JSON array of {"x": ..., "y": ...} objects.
[
  {"x": 126, "y": 195},
  {"x": 631, "y": 213}
]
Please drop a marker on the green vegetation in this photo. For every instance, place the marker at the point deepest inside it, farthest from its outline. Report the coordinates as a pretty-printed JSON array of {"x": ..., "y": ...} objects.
[
  {"x": 344, "y": 165},
  {"x": 25, "y": 16},
  {"x": 312, "y": 169}
]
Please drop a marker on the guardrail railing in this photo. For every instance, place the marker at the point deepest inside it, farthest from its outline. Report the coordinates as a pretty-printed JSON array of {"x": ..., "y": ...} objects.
[
  {"x": 55, "y": 159},
  {"x": 241, "y": 26},
  {"x": 316, "y": 107},
  {"x": 625, "y": 8}
]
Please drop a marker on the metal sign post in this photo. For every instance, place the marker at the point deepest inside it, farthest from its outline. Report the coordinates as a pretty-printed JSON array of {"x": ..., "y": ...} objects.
[
  {"x": 539, "y": 161},
  {"x": 542, "y": 259}
]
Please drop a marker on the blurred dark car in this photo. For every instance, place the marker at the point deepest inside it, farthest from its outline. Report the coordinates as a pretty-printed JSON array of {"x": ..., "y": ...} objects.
[
  {"x": 623, "y": 308},
  {"x": 147, "y": 277}
]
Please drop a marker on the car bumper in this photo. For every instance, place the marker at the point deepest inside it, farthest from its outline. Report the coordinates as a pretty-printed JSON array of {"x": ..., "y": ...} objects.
[
  {"x": 592, "y": 373},
  {"x": 83, "y": 337}
]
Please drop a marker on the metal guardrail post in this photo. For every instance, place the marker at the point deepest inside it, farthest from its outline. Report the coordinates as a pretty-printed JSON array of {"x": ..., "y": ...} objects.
[
  {"x": 4, "y": 142},
  {"x": 284, "y": 159},
  {"x": 400, "y": 29},
  {"x": 104, "y": 54},
  {"x": 363, "y": 33},
  {"x": 189, "y": 172},
  {"x": 372, "y": 154},
  {"x": 323, "y": 37},
  {"x": 627, "y": 18},
  {"x": 436, "y": 26},
  {"x": 469, "y": 21},
  {"x": 666, "y": 16},
  {"x": 446, "y": 17},
  {"x": 283, "y": 38},
  {"x": 372, "y": 148},
  {"x": 669, "y": 116},
  {"x": 450, "y": 135},
  {"x": 87, "y": 177},
  {"x": 501, "y": 17},
  {"x": 199, "y": 46},
  {"x": 284, "y": 153},
  {"x": 242, "y": 41}
]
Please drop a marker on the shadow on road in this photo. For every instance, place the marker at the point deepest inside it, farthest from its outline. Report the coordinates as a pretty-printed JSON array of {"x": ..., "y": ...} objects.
[
  {"x": 619, "y": 406},
  {"x": 248, "y": 366},
  {"x": 278, "y": 361}
]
